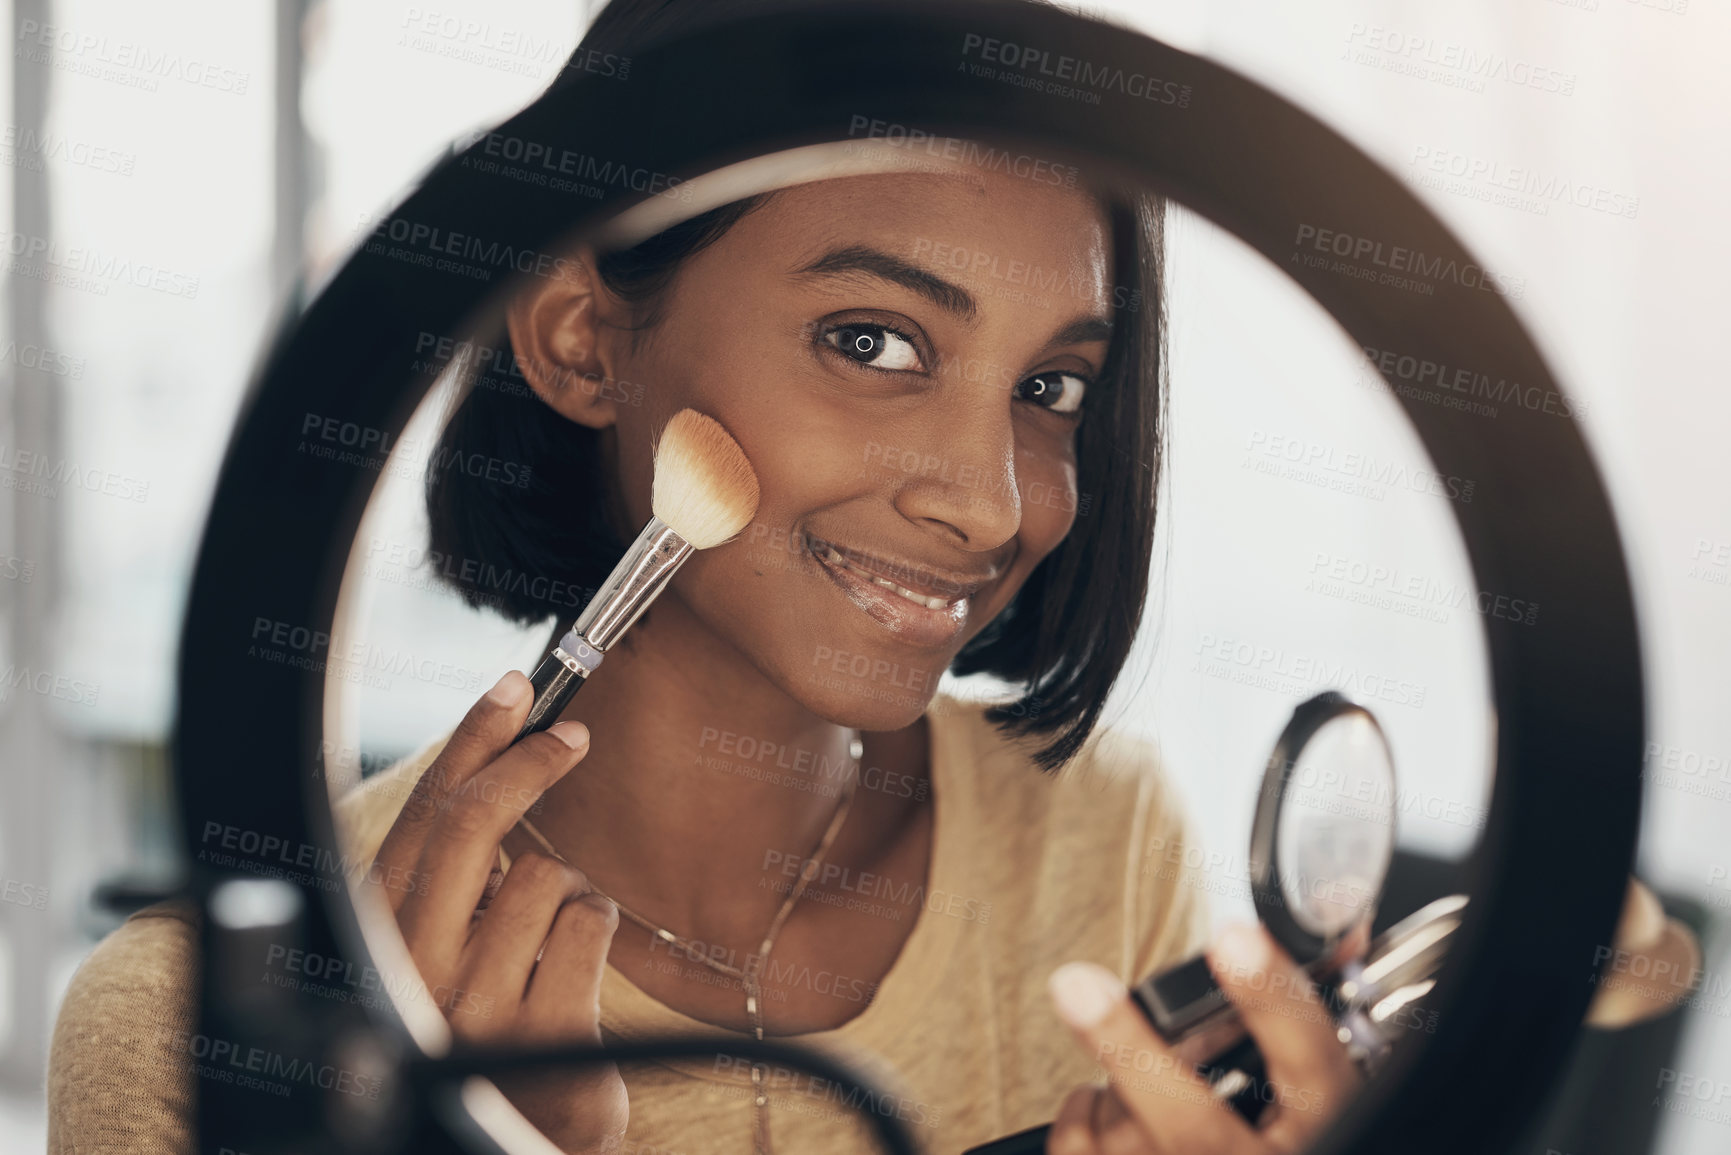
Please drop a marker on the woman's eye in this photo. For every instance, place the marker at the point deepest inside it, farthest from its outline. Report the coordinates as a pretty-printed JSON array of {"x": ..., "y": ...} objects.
[
  {"x": 876, "y": 345},
  {"x": 1057, "y": 391}
]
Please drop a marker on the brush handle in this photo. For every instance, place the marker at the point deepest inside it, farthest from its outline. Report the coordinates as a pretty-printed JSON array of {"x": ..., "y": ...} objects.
[
  {"x": 638, "y": 579},
  {"x": 557, "y": 679}
]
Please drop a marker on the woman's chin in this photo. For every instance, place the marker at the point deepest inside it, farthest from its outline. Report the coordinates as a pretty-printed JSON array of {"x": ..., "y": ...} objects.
[{"x": 876, "y": 709}]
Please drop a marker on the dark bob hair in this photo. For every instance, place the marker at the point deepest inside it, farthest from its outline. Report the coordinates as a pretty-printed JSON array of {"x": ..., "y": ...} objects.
[{"x": 1064, "y": 638}]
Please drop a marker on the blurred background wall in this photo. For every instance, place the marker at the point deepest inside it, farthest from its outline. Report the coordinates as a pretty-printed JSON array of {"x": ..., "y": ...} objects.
[{"x": 168, "y": 171}]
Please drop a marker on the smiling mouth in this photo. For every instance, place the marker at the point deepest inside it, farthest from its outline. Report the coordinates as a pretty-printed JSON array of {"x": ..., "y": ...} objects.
[
  {"x": 928, "y": 621},
  {"x": 828, "y": 553}
]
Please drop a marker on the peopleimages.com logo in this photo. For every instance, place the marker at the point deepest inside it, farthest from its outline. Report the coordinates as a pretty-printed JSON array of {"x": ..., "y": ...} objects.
[
  {"x": 123, "y": 62},
  {"x": 89, "y": 269},
  {"x": 1027, "y": 66},
  {"x": 1399, "y": 266}
]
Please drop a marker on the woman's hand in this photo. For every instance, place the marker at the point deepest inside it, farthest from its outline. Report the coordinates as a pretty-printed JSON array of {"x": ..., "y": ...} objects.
[
  {"x": 483, "y": 971},
  {"x": 1653, "y": 964},
  {"x": 1157, "y": 1103}
]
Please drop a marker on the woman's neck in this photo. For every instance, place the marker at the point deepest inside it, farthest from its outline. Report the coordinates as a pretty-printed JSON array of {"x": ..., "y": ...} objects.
[{"x": 704, "y": 779}]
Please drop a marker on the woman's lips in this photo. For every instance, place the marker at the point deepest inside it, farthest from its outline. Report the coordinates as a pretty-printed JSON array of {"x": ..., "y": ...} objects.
[{"x": 917, "y": 618}]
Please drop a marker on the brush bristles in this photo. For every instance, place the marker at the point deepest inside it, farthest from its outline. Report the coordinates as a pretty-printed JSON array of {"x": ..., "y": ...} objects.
[{"x": 705, "y": 489}]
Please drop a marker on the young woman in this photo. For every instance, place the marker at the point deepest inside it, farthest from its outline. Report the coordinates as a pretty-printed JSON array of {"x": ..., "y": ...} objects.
[
  {"x": 924, "y": 427},
  {"x": 949, "y": 385}
]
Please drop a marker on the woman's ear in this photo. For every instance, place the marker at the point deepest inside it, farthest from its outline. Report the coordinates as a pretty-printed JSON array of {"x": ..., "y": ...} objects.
[{"x": 558, "y": 332}]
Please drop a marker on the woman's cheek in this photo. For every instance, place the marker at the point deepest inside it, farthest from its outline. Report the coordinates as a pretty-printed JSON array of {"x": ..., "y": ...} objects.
[{"x": 1050, "y": 506}]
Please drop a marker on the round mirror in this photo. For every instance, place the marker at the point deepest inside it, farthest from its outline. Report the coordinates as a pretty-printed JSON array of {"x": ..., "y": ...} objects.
[
  {"x": 1324, "y": 833},
  {"x": 1337, "y": 826},
  {"x": 943, "y": 910}
]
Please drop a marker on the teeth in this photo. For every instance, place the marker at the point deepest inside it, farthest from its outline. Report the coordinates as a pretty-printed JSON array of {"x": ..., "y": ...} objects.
[{"x": 834, "y": 557}]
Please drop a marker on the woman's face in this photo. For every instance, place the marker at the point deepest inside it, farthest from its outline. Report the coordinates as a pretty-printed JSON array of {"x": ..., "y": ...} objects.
[{"x": 906, "y": 360}]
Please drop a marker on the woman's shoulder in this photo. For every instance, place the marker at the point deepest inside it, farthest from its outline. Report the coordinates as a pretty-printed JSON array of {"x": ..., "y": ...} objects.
[
  {"x": 1090, "y": 840},
  {"x": 113, "y": 1079},
  {"x": 365, "y": 812},
  {"x": 1117, "y": 772},
  {"x": 1110, "y": 808}
]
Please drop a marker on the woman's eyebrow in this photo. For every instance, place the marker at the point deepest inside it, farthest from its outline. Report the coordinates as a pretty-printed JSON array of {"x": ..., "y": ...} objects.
[
  {"x": 947, "y": 295},
  {"x": 1081, "y": 331}
]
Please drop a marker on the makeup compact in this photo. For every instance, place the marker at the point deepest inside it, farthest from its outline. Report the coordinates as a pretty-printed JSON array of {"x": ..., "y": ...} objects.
[{"x": 1320, "y": 847}]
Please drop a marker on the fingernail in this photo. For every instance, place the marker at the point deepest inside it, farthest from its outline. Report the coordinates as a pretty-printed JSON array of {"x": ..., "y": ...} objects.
[
  {"x": 508, "y": 691},
  {"x": 1084, "y": 993},
  {"x": 573, "y": 734},
  {"x": 1239, "y": 950}
]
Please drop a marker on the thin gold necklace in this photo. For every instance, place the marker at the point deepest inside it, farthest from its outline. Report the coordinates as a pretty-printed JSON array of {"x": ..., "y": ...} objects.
[{"x": 750, "y": 975}]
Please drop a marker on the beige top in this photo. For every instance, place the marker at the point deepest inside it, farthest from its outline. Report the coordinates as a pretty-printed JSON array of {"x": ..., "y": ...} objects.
[{"x": 1028, "y": 871}]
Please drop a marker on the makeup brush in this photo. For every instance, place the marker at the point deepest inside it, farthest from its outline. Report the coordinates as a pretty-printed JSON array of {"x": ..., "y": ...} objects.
[{"x": 704, "y": 493}]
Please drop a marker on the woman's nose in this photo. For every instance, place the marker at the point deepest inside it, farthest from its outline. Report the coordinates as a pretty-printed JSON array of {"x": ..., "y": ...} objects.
[{"x": 962, "y": 480}]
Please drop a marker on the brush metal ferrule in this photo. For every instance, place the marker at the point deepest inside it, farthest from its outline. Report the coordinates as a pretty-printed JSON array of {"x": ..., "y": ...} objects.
[
  {"x": 577, "y": 655},
  {"x": 636, "y": 581}
]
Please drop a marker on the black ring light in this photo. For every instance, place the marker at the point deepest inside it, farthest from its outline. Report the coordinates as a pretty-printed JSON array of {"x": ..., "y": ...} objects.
[{"x": 1568, "y": 695}]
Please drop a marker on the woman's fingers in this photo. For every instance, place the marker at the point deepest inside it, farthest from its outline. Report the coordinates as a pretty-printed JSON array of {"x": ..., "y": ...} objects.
[
  {"x": 565, "y": 991},
  {"x": 1072, "y": 1131},
  {"x": 463, "y": 845},
  {"x": 1174, "y": 1106},
  {"x": 501, "y": 952},
  {"x": 1642, "y": 921},
  {"x": 484, "y": 733},
  {"x": 1116, "y": 1131},
  {"x": 1309, "y": 1072},
  {"x": 1649, "y": 972}
]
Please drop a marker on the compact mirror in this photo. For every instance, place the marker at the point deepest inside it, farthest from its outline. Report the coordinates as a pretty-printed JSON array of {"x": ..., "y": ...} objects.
[
  {"x": 1320, "y": 847},
  {"x": 1324, "y": 830}
]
